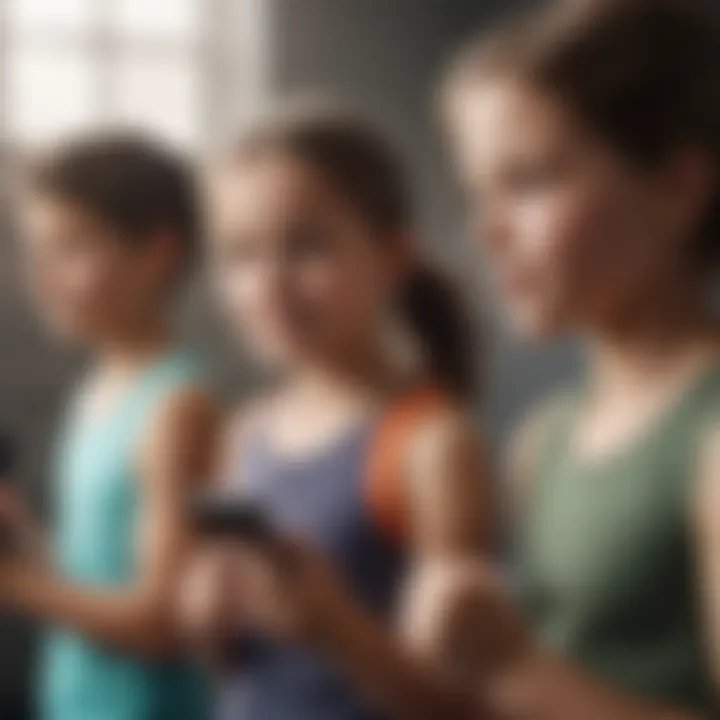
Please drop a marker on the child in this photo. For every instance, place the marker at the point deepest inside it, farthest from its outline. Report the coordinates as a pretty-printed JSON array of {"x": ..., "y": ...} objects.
[
  {"x": 588, "y": 137},
  {"x": 111, "y": 229},
  {"x": 364, "y": 449}
]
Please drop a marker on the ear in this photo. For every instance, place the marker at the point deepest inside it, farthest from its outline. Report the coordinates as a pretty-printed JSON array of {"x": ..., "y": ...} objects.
[{"x": 165, "y": 254}]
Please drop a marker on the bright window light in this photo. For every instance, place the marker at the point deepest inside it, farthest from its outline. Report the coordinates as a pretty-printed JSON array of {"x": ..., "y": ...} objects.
[
  {"x": 48, "y": 94},
  {"x": 156, "y": 18},
  {"x": 61, "y": 15},
  {"x": 162, "y": 94}
]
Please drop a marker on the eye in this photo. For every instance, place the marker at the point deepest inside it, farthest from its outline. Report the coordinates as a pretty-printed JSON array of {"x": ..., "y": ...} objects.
[
  {"x": 238, "y": 250},
  {"x": 306, "y": 241},
  {"x": 532, "y": 177}
]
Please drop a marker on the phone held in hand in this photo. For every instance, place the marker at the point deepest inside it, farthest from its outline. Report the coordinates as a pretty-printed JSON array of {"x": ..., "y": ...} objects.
[{"x": 222, "y": 516}]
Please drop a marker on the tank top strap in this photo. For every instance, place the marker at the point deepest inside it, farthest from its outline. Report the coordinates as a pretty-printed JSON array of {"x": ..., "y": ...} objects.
[
  {"x": 560, "y": 412},
  {"x": 249, "y": 460}
]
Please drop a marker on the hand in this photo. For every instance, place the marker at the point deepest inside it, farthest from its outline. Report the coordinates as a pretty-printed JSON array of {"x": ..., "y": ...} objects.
[
  {"x": 290, "y": 591},
  {"x": 463, "y": 613},
  {"x": 208, "y": 605}
]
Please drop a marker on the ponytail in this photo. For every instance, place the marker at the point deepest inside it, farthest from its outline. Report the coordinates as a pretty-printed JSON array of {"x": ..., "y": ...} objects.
[
  {"x": 437, "y": 317},
  {"x": 364, "y": 168}
]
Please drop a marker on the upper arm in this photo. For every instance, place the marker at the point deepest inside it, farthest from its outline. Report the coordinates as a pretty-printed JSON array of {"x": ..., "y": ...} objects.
[
  {"x": 706, "y": 511},
  {"x": 177, "y": 455},
  {"x": 448, "y": 487}
]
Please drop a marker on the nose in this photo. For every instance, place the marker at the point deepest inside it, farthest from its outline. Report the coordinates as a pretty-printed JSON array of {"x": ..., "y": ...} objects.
[{"x": 489, "y": 229}]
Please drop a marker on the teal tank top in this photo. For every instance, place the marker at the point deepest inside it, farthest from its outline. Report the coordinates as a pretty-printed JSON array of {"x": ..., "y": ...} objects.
[
  {"x": 97, "y": 512},
  {"x": 608, "y": 554}
]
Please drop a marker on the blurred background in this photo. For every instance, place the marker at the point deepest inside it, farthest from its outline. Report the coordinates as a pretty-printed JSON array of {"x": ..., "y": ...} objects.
[{"x": 191, "y": 70}]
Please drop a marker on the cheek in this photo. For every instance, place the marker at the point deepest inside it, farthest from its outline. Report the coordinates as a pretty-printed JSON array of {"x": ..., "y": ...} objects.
[
  {"x": 79, "y": 296},
  {"x": 333, "y": 298},
  {"x": 75, "y": 283},
  {"x": 328, "y": 287},
  {"x": 243, "y": 293},
  {"x": 542, "y": 267},
  {"x": 602, "y": 241}
]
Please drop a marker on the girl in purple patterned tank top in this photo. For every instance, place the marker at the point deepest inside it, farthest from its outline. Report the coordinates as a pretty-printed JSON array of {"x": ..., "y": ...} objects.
[{"x": 317, "y": 261}]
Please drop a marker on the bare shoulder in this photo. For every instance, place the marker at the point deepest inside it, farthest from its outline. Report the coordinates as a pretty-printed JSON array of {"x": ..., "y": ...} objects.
[
  {"x": 444, "y": 435},
  {"x": 447, "y": 481},
  {"x": 184, "y": 413},
  {"x": 249, "y": 414},
  {"x": 234, "y": 433},
  {"x": 179, "y": 442}
]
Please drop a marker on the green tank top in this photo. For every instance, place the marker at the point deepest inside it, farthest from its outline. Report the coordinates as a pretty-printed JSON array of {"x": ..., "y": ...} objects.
[
  {"x": 82, "y": 679},
  {"x": 608, "y": 559}
]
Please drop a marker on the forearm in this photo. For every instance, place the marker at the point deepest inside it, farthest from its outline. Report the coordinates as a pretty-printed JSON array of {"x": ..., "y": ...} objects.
[
  {"x": 123, "y": 618},
  {"x": 402, "y": 684},
  {"x": 546, "y": 689}
]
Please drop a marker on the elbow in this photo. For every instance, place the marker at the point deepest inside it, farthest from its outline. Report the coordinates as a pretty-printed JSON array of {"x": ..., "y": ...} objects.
[
  {"x": 159, "y": 644},
  {"x": 156, "y": 635},
  {"x": 156, "y": 644}
]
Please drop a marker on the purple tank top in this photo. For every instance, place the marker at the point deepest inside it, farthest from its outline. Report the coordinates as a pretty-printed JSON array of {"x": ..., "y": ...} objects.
[{"x": 321, "y": 499}]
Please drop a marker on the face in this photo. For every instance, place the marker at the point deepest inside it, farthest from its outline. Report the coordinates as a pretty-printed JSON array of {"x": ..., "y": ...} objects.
[
  {"x": 301, "y": 275},
  {"x": 573, "y": 235},
  {"x": 88, "y": 284}
]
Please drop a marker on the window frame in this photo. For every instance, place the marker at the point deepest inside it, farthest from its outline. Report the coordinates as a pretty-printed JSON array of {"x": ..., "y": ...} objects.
[{"x": 220, "y": 69}]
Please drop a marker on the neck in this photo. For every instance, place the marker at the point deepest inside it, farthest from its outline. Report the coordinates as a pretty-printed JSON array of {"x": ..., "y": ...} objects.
[
  {"x": 367, "y": 375},
  {"x": 136, "y": 346},
  {"x": 676, "y": 336}
]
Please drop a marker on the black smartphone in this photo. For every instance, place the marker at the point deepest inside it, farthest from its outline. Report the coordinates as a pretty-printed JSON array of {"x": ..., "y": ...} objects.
[{"x": 223, "y": 516}]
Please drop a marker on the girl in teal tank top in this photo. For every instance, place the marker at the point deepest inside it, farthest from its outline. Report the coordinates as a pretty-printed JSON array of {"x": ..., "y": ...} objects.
[
  {"x": 112, "y": 223},
  {"x": 98, "y": 512}
]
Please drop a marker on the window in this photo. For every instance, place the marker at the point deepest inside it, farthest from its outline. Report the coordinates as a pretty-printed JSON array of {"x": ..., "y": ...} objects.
[{"x": 70, "y": 64}]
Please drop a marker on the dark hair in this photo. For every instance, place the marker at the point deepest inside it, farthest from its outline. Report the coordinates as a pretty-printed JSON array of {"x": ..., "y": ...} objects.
[
  {"x": 134, "y": 184},
  {"x": 643, "y": 74},
  {"x": 364, "y": 167}
]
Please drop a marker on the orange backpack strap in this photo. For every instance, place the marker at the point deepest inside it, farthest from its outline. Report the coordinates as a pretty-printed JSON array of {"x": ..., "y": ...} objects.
[{"x": 384, "y": 481}]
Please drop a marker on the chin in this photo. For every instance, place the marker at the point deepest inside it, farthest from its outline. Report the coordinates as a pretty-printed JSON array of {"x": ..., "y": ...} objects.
[{"x": 536, "y": 328}]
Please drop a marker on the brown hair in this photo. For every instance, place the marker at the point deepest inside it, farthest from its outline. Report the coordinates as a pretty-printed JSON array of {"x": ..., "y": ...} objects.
[
  {"x": 643, "y": 74},
  {"x": 134, "y": 184},
  {"x": 364, "y": 167}
]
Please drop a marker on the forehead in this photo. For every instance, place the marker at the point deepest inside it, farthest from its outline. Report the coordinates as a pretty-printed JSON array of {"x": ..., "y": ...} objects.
[
  {"x": 505, "y": 118},
  {"x": 272, "y": 180}
]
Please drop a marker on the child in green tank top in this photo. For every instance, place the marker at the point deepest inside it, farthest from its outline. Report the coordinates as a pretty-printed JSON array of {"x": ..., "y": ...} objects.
[
  {"x": 111, "y": 223},
  {"x": 589, "y": 136}
]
